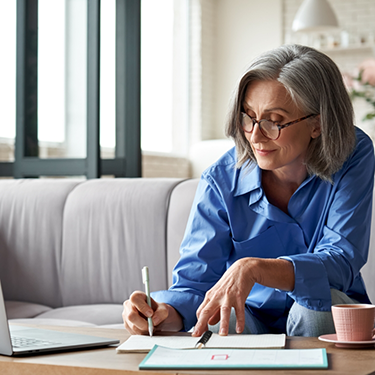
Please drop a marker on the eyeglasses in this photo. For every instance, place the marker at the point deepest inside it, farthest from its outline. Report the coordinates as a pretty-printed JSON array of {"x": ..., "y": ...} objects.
[{"x": 270, "y": 129}]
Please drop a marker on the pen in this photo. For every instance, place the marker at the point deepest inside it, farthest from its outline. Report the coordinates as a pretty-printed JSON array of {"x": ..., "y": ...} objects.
[
  {"x": 146, "y": 281},
  {"x": 203, "y": 340}
]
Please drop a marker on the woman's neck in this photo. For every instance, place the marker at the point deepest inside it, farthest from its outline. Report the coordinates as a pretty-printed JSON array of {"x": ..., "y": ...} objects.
[{"x": 279, "y": 186}]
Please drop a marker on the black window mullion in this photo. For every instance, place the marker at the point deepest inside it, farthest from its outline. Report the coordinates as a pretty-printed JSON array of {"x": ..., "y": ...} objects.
[
  {"x": 26, "y": 143},
  {"x": 128, "y": 82},
  {"x": 93, "y": 89},
  {"x": 53, "y": 167}
]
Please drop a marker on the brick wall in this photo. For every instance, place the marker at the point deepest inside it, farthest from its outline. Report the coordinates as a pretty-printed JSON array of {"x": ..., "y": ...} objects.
[
  {"x": 357, "y": 28},
  {"x": 355, "y": 16},
  {"x": 153, "y": 165}
]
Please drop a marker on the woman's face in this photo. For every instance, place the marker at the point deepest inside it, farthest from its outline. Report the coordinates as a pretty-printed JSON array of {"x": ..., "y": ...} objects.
[{"x": 269, "y": 100}]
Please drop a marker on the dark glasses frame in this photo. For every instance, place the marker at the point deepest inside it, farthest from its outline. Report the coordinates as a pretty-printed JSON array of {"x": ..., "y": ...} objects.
[{"x": 279, "y": 126}]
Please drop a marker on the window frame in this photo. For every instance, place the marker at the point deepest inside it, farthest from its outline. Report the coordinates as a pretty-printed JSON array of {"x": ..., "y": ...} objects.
[{"x": 127, "y": 161}]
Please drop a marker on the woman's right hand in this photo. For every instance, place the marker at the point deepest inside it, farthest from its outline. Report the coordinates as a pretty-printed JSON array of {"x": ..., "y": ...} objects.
[{"x": 136, "y": 311}]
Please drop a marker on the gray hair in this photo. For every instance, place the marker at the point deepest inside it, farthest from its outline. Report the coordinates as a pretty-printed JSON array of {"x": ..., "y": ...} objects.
[{"x": 315, "y": 85}]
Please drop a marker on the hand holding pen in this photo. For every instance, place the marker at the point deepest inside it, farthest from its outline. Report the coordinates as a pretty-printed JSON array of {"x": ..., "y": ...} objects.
[{"x": 143, "y": 315}]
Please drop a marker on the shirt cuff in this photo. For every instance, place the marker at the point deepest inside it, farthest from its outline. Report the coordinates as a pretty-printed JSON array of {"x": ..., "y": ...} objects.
[
  {"x": 311, "y": 288},
  {"x": 184, "y": 302}
]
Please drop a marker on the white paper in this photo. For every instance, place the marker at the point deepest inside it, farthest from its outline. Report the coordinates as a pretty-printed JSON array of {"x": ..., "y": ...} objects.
[
  {"x": 247, "y": 341},
  {"x": 141, "y": 343},
  {"x": 146, "y": 343},
  {"x": 164, "y": 357}
]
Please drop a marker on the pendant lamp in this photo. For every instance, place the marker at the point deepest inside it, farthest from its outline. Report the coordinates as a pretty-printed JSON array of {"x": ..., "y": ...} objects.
[{"x": 315, "y": 16}]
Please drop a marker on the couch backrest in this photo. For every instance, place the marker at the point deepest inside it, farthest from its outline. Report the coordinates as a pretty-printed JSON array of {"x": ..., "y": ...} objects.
[
  {"x": 31, "y": 217},
  {"x": 179, "y": 209},
  {"x": 111, "y": 229},
  {"x": 66, "y": 242}
]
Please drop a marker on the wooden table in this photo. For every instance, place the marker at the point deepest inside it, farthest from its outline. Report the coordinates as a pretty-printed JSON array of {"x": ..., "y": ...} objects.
[{"x": 107, "y": 362}]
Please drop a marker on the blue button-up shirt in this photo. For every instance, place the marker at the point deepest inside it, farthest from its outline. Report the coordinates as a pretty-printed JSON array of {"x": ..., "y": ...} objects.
[{"x": 325, "y": 235}]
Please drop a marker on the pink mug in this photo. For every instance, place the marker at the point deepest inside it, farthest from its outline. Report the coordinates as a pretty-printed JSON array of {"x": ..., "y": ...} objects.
[{"x": 354, "y": 322}]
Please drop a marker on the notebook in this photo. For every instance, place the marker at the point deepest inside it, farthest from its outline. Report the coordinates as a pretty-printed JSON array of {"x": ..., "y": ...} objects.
[
  {"x": 138, "y": 343},
  {"x": 17, "y": 340},
  {"x": 239, "y": 359}
]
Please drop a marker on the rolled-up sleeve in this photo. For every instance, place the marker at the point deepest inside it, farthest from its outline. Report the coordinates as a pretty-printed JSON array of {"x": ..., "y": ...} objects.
[{"x": 341, "y": 251}]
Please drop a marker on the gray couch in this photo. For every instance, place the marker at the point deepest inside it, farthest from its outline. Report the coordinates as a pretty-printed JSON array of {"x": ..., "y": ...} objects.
[{"x": 71, "y": 251}]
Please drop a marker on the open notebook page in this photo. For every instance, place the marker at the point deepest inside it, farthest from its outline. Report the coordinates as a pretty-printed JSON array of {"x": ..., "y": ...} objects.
[{"x": 139, "y": 343}]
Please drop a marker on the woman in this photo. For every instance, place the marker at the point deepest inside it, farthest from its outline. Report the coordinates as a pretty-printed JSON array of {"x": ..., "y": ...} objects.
[{"x": 280, "y": 225}]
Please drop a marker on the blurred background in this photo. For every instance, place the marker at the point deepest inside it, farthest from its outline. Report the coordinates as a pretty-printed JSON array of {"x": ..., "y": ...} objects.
[{"x": 190, "y": 55}]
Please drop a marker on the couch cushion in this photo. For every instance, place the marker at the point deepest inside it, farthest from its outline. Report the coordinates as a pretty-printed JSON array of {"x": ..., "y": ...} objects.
[
  {"x": 179, "y": 208},
  {"x": 31, "y": 215},
  {"x": 112, "y": 228},
  {"x": 18, "y": 310},
  {"x": 94, "y": 314},
  {"x": 52, "y": 322},
  {"x": 112, "y": 326}
]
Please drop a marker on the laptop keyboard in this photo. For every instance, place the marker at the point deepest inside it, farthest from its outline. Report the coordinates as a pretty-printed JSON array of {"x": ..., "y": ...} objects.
[{"x": 24, "y": 342}]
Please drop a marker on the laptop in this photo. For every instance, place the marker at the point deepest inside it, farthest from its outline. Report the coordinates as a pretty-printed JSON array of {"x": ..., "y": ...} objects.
[{"x": 18, "y": 340}]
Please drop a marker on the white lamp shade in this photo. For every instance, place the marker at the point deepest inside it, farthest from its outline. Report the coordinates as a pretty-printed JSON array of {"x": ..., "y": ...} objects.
[{"x": 315, "y": 15}]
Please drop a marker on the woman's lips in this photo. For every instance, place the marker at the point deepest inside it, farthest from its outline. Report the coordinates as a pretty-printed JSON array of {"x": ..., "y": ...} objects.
[{"x": 263, "y": 152}]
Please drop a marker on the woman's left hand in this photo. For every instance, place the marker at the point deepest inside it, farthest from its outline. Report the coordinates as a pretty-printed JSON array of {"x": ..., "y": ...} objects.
[
  {"x": 235, "y": 285},
  {"x": 230, "y": 291}
]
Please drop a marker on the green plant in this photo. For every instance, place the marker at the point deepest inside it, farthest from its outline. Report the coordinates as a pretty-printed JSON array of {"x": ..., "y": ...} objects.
[{"x": 362, "y": 85}]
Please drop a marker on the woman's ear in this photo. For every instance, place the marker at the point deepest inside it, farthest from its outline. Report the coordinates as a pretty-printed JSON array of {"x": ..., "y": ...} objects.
[{"x": 316, "y": 129}]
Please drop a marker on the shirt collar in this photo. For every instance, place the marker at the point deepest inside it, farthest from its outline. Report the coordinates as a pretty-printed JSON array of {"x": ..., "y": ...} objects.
[{"x": 249, "y": 181}]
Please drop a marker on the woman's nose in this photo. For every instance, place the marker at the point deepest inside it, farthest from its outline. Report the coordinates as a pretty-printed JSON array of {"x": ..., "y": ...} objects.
[{"x": 257, "y": 136}]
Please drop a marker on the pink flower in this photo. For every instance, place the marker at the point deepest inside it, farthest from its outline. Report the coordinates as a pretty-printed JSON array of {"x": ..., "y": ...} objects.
[
  {"x": 348, "y": 80},
  {"x": 368, "y": 71}
]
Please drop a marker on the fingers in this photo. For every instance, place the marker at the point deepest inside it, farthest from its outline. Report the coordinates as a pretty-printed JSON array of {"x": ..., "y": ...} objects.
[
  {"x": 133, "y": 321},
  {"x": 203, "y": 304},
  {"x": 214, "y": 319},
  {"x": 224, "y": 321},
  {"x": 204, "y": 316},
  {"x": 139, "y": 300},
  {"x": 229, "y": 292},
  {"x": 136, "y": 311},
  {"x": 160, "y": 314},
  {"x": 240, "y": 319},
  {"x": 223, "y": 316},
  {"x": 217, "y": 306}
]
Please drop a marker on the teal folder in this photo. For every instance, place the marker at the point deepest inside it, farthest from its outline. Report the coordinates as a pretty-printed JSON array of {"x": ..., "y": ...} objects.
[{"x": 200, "y": 359}]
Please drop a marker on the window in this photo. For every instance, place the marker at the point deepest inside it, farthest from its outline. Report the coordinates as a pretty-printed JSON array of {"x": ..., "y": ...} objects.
[
  {"x": 8, "y": 79},
  {"x": 51, "y": 70},
  {"x": 164, "y": 76},
  {"x": 56, "y": 95},
  {"x": 73, "y": 72}
]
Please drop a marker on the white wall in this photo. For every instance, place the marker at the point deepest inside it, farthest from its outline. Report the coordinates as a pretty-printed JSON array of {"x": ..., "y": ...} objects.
[
  {"x": 242, "y": 30},
  {"x": 226, "y": 36},
  {"x": 356, "y": 18}
]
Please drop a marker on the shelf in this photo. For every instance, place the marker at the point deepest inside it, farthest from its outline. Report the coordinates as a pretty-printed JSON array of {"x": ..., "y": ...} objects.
[{"x": 364, "y": 47}]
